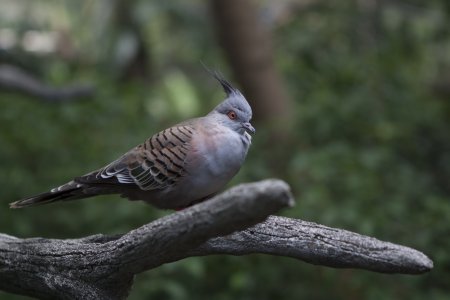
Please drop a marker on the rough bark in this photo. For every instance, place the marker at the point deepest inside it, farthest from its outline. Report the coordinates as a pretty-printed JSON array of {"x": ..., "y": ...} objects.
[
  {"x": 102, "y": 267},
  {"x": 320, "y": 245}
]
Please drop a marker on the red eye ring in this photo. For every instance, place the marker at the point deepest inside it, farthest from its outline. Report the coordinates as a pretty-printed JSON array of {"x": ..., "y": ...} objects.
[{"x": 232, "y": 115}]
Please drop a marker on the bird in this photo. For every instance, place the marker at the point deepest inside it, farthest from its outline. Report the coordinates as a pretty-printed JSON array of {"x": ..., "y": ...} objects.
[{"x": 177, "y": 167}]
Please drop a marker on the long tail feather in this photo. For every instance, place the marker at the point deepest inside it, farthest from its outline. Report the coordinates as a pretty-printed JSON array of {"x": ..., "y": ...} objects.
[{"x": 68, "y": 193}]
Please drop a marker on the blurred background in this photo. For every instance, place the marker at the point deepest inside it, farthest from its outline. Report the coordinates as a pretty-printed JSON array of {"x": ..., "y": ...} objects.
[{"x": 351, "y": 103}]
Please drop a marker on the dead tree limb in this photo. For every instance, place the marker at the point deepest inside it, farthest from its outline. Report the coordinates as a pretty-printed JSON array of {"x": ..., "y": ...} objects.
[
  {"x": 320, "y": 245},
  {"x": 103, "y": 267}
]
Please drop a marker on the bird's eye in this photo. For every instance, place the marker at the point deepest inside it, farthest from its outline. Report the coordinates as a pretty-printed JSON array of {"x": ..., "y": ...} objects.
[{"x": 232, "y": 115}]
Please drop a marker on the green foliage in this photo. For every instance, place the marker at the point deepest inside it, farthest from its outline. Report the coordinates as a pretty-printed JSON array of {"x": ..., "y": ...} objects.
[{"x": 370, "y": 150}]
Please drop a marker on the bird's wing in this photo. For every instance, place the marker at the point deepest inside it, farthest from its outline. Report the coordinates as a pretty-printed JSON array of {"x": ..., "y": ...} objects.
[{"x": 155, "y": 164}]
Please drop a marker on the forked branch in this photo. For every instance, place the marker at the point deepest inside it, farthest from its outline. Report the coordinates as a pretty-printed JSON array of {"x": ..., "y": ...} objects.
[{"x": 234, "y": 222}]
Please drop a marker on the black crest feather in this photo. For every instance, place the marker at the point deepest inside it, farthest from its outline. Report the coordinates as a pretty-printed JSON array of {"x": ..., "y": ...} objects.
[{"x": 227, "y": 87}]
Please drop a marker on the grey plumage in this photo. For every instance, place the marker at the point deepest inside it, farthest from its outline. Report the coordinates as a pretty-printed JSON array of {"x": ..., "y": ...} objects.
[{"x": 176, "y": 167}]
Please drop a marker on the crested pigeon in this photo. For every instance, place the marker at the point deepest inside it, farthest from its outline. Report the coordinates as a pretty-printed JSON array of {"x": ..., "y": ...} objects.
[{"x": 175, "y": 168}]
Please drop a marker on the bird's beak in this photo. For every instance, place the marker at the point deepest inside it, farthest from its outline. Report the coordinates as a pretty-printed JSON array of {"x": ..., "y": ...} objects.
[{"x": 248, "y": 127}]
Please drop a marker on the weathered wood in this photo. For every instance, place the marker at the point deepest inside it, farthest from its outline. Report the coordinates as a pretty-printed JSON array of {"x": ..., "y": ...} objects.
[
  {"x": 320, "y": 245},
  {"x": 103, "y": 267},
  {"x": 100, "y": 267}
]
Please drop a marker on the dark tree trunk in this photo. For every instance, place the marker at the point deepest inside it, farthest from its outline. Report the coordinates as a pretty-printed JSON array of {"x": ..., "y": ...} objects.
[{"x": 248, "y": 46}]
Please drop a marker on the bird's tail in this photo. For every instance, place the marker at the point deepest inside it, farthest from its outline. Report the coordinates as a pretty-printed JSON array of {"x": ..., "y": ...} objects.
[{"x": 68, "y": 191}]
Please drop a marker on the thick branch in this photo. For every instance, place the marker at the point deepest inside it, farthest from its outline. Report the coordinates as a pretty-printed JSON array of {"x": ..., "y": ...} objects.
[
  {"x": 15, "y": 79},
  {"x": 319, "y": 245},
  {"x": 102, "y": 267}
]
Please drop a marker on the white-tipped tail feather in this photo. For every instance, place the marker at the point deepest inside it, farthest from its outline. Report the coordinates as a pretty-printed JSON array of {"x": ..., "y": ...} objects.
[{"x": 69, "y": 191}]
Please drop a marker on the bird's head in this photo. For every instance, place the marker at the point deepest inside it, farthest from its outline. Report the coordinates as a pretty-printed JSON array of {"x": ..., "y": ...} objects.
[{"x": 234, "y": 112}]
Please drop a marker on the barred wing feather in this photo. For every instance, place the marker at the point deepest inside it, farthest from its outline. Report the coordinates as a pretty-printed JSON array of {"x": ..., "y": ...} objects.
[{"x": 156, "y": 164}]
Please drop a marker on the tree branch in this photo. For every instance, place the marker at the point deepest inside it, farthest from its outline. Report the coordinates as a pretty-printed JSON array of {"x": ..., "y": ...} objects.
[
  {"x": 102, "y": 267},
  {"x": 320, "y": 245},
  {"x": 15, "y": 79}
]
